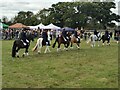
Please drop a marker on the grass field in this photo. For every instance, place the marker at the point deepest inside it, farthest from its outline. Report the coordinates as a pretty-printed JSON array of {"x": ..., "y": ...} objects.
[{"x": 85, "y": 68}]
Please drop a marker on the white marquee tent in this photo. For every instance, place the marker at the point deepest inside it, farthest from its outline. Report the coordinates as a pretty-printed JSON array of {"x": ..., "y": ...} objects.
[
  {"x": 51, "y": 26},
  {"x": 41, "y": 26},
  {"x": 33, "y": 27}
]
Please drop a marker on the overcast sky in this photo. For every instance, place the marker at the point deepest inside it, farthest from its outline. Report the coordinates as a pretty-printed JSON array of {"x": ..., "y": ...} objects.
[{"x": 10, "y": 8}]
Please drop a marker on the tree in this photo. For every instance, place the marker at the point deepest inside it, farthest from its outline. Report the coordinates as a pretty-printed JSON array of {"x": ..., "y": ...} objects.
[
  {"x": 73, "y": 14},
  {"x": 27, "y": 18},
  {"x": 4, "y": 19},
  {"x": 104, "y": 15}
]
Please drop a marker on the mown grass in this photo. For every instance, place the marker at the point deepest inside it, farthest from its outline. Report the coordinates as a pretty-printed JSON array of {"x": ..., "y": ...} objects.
[{"x": 85, "y": 68}]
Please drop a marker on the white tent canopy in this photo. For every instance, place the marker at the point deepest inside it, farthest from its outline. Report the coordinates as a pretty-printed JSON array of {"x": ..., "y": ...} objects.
[
  {"x": 33, "y": 27},
  {"x": 41, "y": 26},
  {"x": 51, "y": 26}
]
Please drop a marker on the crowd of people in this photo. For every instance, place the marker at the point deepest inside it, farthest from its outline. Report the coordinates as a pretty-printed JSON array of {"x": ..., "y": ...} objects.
[{"x": 49, "y": 34}]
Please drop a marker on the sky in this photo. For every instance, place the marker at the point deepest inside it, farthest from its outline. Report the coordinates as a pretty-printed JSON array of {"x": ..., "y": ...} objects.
[{"x": 10, "y": 8}]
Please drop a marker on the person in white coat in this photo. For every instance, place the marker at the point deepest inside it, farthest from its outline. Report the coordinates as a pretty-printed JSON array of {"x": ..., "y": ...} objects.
[
  {"x": 49, "y": 37},
  {"x": 92, "y": 40}
]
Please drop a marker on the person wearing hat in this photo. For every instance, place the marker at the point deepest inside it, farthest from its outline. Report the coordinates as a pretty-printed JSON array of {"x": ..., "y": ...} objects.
[
  {"x": 76, "y": 35},
  {"x": 92, "y": 39},
  {"x": 64, "y": 34},
  {"x": 95, "y": 32},
  {"x": 45, "y": 37},
  {"x": 107, "y": 33},
  {"x": 23, "y": 37}
]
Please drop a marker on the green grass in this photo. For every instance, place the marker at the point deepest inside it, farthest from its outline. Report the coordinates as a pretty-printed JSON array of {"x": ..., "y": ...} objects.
[{"x": 85, "y": 68}]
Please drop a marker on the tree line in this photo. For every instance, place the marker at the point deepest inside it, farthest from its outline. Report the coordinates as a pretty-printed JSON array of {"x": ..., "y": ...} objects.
[{"x": 97, "y": 15}]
